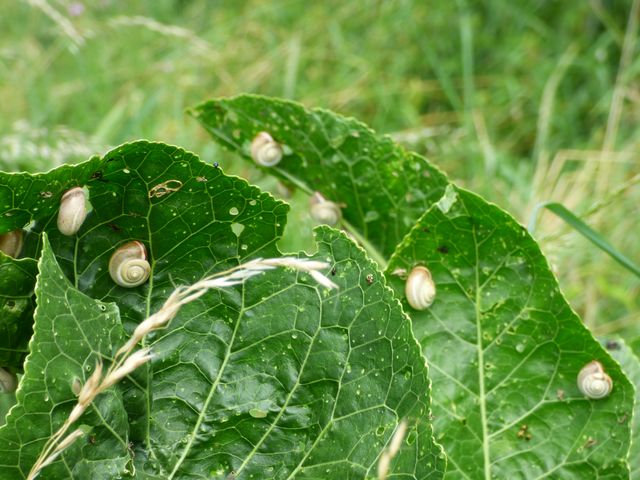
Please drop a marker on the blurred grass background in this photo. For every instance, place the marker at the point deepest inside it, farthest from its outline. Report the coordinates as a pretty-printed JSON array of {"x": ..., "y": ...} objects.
[{"x": 523, "y": 101}]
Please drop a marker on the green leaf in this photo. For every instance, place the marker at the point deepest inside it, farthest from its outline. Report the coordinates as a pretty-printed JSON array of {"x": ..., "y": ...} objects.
[
  {"x": 587, "y": 232},
  {"x": 293, "y": 381},
  {"x": 495, "y": 328},
  {"x": 71, "y": 333},
  {"x": 188, "y": 233},
  {"x": 384, "y": 188},
  {"x": 25, "y": 197},
  {"x": 505, "y": 350},
  {"x": 630, "y": 364},
  {"x": 17, "y": 280},
  {"x": 279, "y": 376}
]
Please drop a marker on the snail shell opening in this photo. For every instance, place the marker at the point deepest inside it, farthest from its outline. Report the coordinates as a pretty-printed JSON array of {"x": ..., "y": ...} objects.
[
  {"x": 324, "y": 211},
  {"x": 73, "y": 211},
  {"x": 593, "y": 381},
  {"x": 128, "y": 265},
  {"x": 265, "y": 150},
  {"x": 420, "y": 289}
]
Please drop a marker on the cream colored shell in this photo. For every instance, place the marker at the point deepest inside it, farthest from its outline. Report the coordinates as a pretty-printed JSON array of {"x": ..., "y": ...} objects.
[
  {"x": 73, "y": 211},
  {"x": 593, "y": 381},
  {"x": 128, "y": 265},
  {"x": 265, "y": 151},
  {"x": 8, "y": 381},
  {"x": 11, "y": 243},
  {"x": 324, "y": 211},
  {"x": 420, "y": 289}
]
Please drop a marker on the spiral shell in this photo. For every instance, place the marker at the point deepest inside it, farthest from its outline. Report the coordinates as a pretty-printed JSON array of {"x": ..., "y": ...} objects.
[
  {"x": 324, "y": 211},
  {"x": 265, "y": 150},
  {"x": 420, "y": 289},
  {"x": 593, "y": 381},
  {"x": 73, "y": 211},
  {"x": 11, "y": 243},
  {"x": 128, "y": 265}
]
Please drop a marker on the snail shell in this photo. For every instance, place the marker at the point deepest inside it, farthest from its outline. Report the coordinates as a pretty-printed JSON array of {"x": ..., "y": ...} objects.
[
  {"x": 128, "y": 265},
  {"x": 265, "y": 150},
  {"x": 324, "y": 211},
  {"x": 420, "y": 289},
  {"x": 8, "y": 381},
  {"x": 593, "y": 381},
  {"x": 72, "y": 211},
  {"x": 11, "y": 243}
]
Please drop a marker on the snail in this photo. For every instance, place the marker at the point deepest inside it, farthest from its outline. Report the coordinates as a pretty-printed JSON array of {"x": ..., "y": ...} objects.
[
  {"x": 76, "y": 386},
  {"x": 11, "y": 243},
  {"x": 128, "y": 265},
  {"x": 265, "y": 151},
  {"x": 420, "y": 289},
  {"x": 73, "y": 211},
  {"x": 324, "y": 211},
  {"x": 8, "y": 381},
  {"x": 593, "y": 382}
]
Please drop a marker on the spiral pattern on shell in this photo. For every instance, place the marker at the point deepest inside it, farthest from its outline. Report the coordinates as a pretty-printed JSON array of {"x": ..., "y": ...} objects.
[
  {"x": 420, "y": 289},
  {"x": 11, "y": 243},
  {"x": 73, "y": 211},
  {"x": 324, "y": 211},
  {"x": 593, "y": 381},
  {"x": 265, "y": 150},
  {"x": 128, "y": 265}
]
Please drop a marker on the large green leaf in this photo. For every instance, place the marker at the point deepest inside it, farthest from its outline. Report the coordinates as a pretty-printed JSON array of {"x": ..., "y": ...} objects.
[
  {"x": 210, "y": 223},
  {"x": 630, "y": 364},
  {"x": 499, "y": 327},
  {"x": 384, "y": 188},
  {"x": 505, "y": 350},
  {"x": 17, "y": 280},
  {"x": 279, "y": 376},
  {"x": 293, "y": 381},
  {"x": 71, "y": 332}
]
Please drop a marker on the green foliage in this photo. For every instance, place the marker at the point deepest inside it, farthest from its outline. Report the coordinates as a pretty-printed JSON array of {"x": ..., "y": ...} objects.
[
  {"x": 504, "y": 345},
  {"x": 628, "y": 360},
  {"x": 512, "y": 99},
  {"x": 548, "y": 112},
  {"x": 510, "y": 396},
  {"x": 279, "y": 375},
  {"x": 71, "y": 333},
  {"x": 383, "y": 188},
  {"x": 17, "y": 280},
  {"x": 594, "y": 237}
]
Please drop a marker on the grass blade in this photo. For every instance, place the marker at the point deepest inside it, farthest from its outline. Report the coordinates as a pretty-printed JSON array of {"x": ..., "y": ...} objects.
[{"x": 586, "y": 231}]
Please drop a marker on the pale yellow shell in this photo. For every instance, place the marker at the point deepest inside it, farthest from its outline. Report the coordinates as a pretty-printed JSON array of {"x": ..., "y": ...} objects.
[
  {"x": 265, "y": 150},
  {"x": 8, "y": 381},
  {"x": 593, "y": 381},
  {"x": 420, "y": 289},
  {"x": 324, "y": 211},
  {"x": 128, "y": 265},
  {"x": 11, "y": 243},
  {"x": 73, "y": 211}
]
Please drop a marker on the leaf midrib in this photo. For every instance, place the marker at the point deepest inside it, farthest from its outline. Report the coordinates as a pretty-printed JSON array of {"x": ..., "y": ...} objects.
[{"x": 481, "y": 387}]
